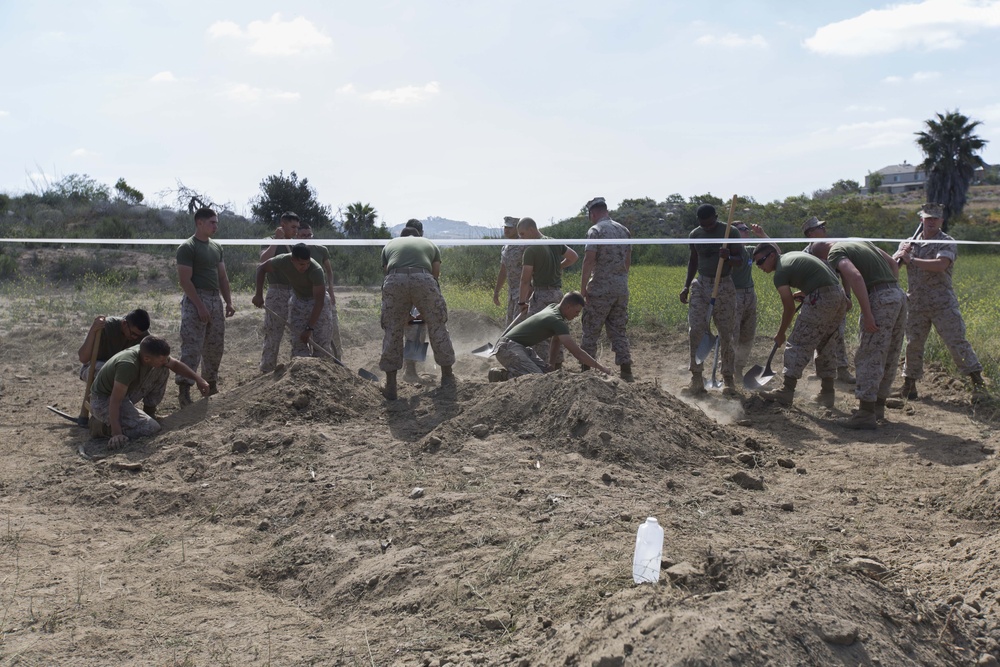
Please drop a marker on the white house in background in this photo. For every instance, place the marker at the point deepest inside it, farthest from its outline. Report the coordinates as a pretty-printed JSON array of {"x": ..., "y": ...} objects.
[{"x": 898, "y": 178}]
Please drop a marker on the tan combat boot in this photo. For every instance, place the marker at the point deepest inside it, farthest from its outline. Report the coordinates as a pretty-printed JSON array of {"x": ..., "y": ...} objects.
[
  {"x": 626, "y": 372},
  {"x": 863, "y": 418},
  {"x": 390, "y": 386},
  {"x": 785, "y": 394},
  {"x": 697, "y": 386},
  {"x": 979, "y": 391},
  {"x": 213, "y": 388},
  {"x": 908, "y": 390},
  {"x": 827, "y": 395},
  {"x": 410, "y": 371},
  {"x": 184, "y": 395},
  {"x": 498, "y": 375},
  {"x": 729, "y": 387},
  {"x": 844, "y": 375},
  {"x": 447, "y": 375},
  {"x": 880, "y": 409}
]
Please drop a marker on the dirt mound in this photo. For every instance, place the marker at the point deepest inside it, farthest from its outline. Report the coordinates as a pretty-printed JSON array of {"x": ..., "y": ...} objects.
[
  {"x": 598, "y": 416},
  {"x": 982, "y": 499}
]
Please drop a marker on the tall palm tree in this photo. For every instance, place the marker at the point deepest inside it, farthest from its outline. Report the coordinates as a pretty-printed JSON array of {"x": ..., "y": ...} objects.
[
  {"x": 950, "y": 160},
  {"x": 359, "y": 220}
]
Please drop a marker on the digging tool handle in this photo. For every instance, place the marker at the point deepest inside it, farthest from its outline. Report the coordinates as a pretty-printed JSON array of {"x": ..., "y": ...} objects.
[
  {"x": 85, "y": 408},
  {"x": 725, "y": 240},
  {"x": 920, "y": 229},
  {"x": 311, "y": 342},
  {"x": 770, "y": 358}
]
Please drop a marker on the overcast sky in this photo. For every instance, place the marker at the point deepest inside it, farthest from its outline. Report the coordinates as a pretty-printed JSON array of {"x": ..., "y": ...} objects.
[{"x": 473, "y": 110}]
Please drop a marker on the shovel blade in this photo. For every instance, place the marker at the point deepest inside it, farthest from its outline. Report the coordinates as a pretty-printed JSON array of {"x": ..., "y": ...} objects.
[
  {"x": 368, "y": 375},
  {"x": 705, "y": 347},
  {"x": 757, "y": 377},
  {"x": 79, "y": 421},
  {"x": 485, "y": 351},
  {"x": 415, "y": 351}
]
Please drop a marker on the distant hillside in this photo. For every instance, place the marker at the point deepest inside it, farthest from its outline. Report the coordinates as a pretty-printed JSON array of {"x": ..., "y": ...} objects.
[{"x": 442, "y": 228}]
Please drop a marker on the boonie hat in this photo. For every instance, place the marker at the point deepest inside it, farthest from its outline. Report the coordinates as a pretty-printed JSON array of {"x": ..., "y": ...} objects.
[
  {"x": 596, "y": 201},
  {"x": 932, "y": 211},
  {"x": 812, "y": 223},
  {"x": 510, "y": 221}
]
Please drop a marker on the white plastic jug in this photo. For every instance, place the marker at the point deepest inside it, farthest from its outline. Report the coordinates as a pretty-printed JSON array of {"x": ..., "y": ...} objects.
[{"x": 648, "y": 552}]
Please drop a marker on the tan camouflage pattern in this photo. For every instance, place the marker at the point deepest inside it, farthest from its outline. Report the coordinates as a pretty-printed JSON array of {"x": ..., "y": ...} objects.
[
  {"x": 519, "y": 359},
  {"x": 538, "y": 300},
  {"x": 400, "y": 293},
  {"x": 299, "y": 310},
  {"x": 275, "y": 300},
  {"x": 510, "y": 258},
  {"x": 932, "y": 301},
  {"x": 840, "y": 343},
  {"x": 745, "y": 325},
  {"x": 724, "y": 316},
  {"x": 134, "y": 422},
  {"x": 338, "y": 347},
  {"x": 607, "y": 293},
  {"x": 814, "y": 330},
  {"x": 878, "y": 353},
  {"x": 202, "y": 343}
]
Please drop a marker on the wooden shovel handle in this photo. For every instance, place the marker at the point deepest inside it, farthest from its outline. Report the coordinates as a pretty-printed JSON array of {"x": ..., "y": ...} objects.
[
  {"x": 725, "y": 239},
  {"x": 91, "y": 372}
]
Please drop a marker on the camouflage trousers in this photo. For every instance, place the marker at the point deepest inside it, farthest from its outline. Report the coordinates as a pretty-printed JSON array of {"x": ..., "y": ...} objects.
[
  {"x": 840, "y": 344},
  {"x": 519, "y": 359},
  {"x": 85, "y": 369},
  {"x": 745, "y": 326},
  {"x": 815, "y": 329},
  {"x": 512, "y": 309},
  {"x": 337, "y": 348},
  {"x": 950, "y": 326},
  {"x": 134, "y": 423},
  {"x": 878, "y": 353},
  {"x": 276, "y": 301},
  {"x": 610, "y": 311},
  {"x": 299, "y": 310},
  {"x": 538, "y": 300},
  {"x": 202, "y": 343},
  {"x": 724, "y": 316},
  {"x": 400, "y": 293}
]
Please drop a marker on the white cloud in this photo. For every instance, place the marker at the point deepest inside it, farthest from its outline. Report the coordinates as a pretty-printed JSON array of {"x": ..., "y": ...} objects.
[
  {"x": 395, "y": 96},
  {"x": 83, "y": 152},
  {"x": 163, "y": 77},
  {"x": 732, "y": 41},
  {"x": 931, "y": 24},
  {"x": 877, "y": 134},
  {"x": 274, "y": 37},
  {"x": 4, "y": 114},
  {"x": 916, "y": 77},
  {"x": 855, "y": 108},
  {"x": 893, "y": 79},
  {"x": 247, "y": 94}
]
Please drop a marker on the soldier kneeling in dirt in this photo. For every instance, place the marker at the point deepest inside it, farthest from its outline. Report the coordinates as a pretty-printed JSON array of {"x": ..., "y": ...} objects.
[
  {"x": 515, "y": 351},
  {"x": 138, "y": 373},
  {"x": 117, "y": 334}
]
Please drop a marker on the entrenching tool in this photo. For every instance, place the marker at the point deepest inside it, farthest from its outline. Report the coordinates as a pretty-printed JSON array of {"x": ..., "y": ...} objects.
[
  {"x": 916, "y": 235},
  {"x": 757, "y": 377},
  {"x": 414, "y": 350},
  {"x": 709, "y": 340},
  {"x": 368, "y": 375},
  {"x": 84, "y": 419},
  {"x": 486, "y": 351},
  {"x": 714, "y": 382}
]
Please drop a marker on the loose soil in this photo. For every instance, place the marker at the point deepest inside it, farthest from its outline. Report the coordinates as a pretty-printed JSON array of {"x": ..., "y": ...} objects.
[{"x": 297, "y": 518}]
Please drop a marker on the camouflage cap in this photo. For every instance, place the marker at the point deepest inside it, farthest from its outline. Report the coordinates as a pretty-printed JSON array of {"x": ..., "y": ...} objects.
[
  {"x": 596, "y": 201},
  {"x": 510, "y": 221},
  {"x": 932, "y": 211},
  {"x": 812, "y": 223}
]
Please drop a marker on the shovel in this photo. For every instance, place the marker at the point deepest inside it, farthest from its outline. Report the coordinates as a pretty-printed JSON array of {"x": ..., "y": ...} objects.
[
  {"x": 414, "y": 350},
  {"x": 84, "y": 419},
  {"x": 757, "y": 377},
  {"x": 709, "y": 340},
  {"x": 362, "y": 372},
  {"x": 714, "y": 382},
  {"x": 486, "y": 351}
]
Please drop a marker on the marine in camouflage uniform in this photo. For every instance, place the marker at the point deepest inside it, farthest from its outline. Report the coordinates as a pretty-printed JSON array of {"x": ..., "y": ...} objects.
[
  {"x": 201, "y": 272},
  {"x": 932, "y": 301},
  {"x": 697, "y": 294},
  {"x": 278, "y": 295},
  {"x": 814, "y": 228},
  {"x": 510, "y": 270},
  {"x": 139, "y": 373},
  {"x": 322, "y": 256},
  {"x": 604, "y": 284},
  {"x": 412, "y": 265},
  {"x": 745, "y": 324},
  {"x": 541, "y": 280},
  {"x": 823, "y": 306},
  {"x": 309, "y": 318},
  {"x": 871, "y": 275},
  {"x": 117, "y": 334}
]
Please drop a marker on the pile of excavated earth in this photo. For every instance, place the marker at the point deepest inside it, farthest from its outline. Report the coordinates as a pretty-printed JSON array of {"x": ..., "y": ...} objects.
[{"x": 299, "y": 518}]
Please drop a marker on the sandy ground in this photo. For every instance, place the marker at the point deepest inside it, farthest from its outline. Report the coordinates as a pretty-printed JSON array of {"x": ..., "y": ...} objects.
[{"x": 299, "y": 519}]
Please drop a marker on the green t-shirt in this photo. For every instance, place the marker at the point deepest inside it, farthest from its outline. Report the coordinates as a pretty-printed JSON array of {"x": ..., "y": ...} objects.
[
  {"x": 277, "y": 278},
  {"x": 302, "y": 283},
  {"x": 320, "y": 253},
  {"x": 708, "y": 253},
  {"x": 743, "y": 274},
  {"x": 544, "y": 324},
  {"x": 866, "y": 259},
  {"x": 125, "y": 367},
  {"x": 204, "y": 258},
  {"x": 113, "y": 339},
  {"x": 546, "y": 263},
  {"x": 803, "y": 271},
  {"x": 410, "y": 252}
]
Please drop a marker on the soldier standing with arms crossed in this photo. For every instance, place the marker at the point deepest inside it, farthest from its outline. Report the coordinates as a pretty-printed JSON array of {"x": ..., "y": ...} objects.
[
  {"x": 202, "y": 275},
  {"x": 604, "y": 285}
]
